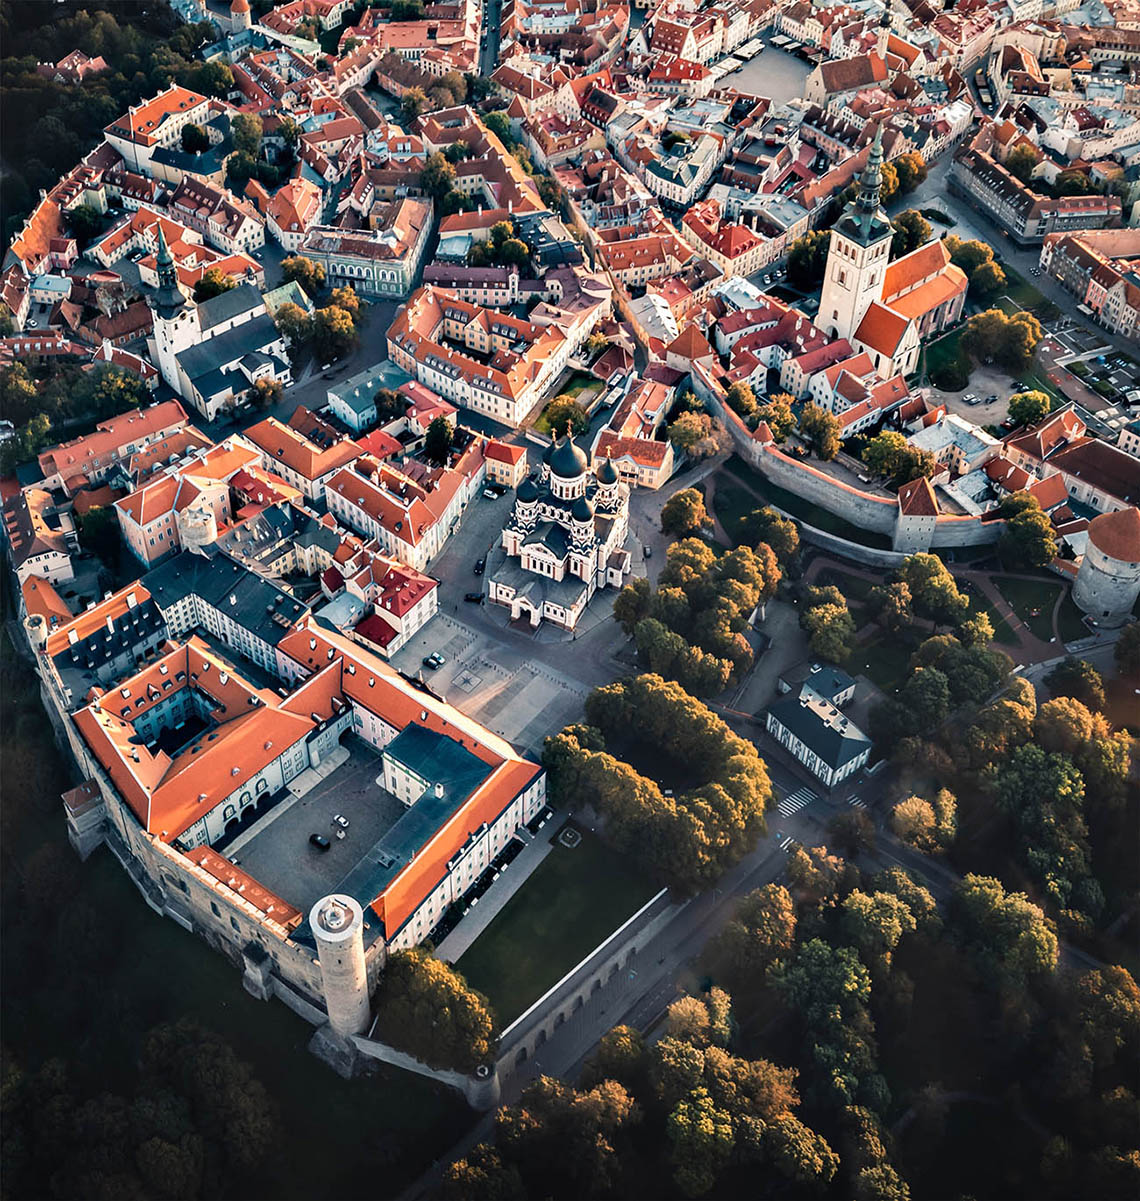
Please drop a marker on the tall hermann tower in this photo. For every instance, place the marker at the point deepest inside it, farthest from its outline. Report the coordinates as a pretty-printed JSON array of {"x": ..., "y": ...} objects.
[
  {"x": 859, "y": 252},
  {"x": 175, "y": 319}
]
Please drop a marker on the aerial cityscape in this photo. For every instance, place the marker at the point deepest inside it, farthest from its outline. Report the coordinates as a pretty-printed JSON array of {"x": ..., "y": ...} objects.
[{"x": 571, "y": 599}]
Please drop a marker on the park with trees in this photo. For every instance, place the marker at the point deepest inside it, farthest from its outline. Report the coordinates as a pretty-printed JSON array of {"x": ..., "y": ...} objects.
[{"x": 676, "y": 789}]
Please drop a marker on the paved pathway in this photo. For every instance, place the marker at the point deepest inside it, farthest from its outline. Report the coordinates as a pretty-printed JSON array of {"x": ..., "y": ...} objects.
[
  {"x": 1030, "y": 648},
  {"x": 493, "y": 900}
]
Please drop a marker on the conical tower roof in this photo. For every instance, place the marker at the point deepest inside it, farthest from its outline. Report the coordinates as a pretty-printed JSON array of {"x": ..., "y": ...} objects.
[
  {"x": 864, "y": 220},
  {"x": 168, "y": 298}
]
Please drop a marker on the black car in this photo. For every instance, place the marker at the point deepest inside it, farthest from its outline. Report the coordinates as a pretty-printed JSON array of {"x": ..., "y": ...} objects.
[
  {"x": 473, "y": 598},
  {"x": 480, "y": 566},
  {"x": 319, "y": 841}
]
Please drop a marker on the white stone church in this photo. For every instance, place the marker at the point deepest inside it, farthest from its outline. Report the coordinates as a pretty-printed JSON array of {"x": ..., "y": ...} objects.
[{"x": 565, "y": 539}]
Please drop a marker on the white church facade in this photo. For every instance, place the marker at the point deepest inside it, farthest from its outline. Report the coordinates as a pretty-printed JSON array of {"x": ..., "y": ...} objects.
[
  {"x": 564, "y": 540},
  {"x": 212, "y": 353},
  {"x": 882, "y": 307}
]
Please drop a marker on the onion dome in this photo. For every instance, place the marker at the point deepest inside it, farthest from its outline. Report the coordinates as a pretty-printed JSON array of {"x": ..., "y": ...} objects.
[
  {"x": 566, "y": 460},
  {"x": 607, "y": 472},
  {"x": 583, "y": 510},
  {"x": 528, "y": 491}
]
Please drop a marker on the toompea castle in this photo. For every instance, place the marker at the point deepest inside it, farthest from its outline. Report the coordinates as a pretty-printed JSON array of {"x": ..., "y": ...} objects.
[{"x": 565, "y": 539}]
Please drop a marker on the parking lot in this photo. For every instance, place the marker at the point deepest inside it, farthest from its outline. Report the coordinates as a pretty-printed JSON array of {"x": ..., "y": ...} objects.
[
  {"x": 489, "y": 679},
  {"x": 280, "y": 855}
]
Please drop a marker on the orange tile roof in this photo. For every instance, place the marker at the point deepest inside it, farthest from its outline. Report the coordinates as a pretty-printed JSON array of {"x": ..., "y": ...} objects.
[
  {"x": 90, "y": 620},
  {"x": 141, "y": 122},
  {"x": 289, "y": 446},
  {"x": 882, "y": 329},
  {"x": 917, "y": 498},
  {"x": 41, "y": 599},
  {"x": 1117, "y": 534},
  {"x": 226, "y": 872},
  {"x": 169, "y": 794}
]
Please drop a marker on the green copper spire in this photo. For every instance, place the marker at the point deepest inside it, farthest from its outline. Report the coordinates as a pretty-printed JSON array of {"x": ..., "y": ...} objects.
[
  {"x": 871, "y": 181},
  {"x": 168, "y": 298}
]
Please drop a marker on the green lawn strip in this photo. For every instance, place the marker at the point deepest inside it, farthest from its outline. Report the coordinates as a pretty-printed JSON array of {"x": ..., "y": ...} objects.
[
  {"x": 731, "y": 502},
  {"x": 573, "y": 901},
  {"x": 1070, "y": 621},
  {"x": 1027, "y": 597},
  {"x": 1019, "y": 289}
]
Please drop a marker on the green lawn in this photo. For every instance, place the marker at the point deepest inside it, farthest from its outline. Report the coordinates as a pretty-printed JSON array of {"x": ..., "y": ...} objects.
[
  {"x": 1070, "y": 621},
  {"x": 941, "y": 354},
  {"x": 885, "y": 659},
  {"x": 1032, "y": 601},
  {"x": 573, "y": 901},
  {"x": 731, "y": 502},
  {"x": 1019, "y": 289},
  {"x": 579, "y": 382}
]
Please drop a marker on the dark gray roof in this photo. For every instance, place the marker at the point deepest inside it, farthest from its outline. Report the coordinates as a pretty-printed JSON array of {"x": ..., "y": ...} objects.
[
  {"x": 81, "y": 663},
  {"x": 553, "y": 537},
  {"x": 441, "y": 761},
  {"x": 818, "y": 724},
  {"x": 199, "y": 361},
  {"x": 227, "y": 305},
  {"x": 250, "y": 600}
]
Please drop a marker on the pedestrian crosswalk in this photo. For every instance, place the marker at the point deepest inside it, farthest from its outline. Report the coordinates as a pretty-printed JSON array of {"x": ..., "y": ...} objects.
[
  {"x": 856, "y": 802},
  {"x": 795, "y": 801},
  {"x": 786, "y": 844}
]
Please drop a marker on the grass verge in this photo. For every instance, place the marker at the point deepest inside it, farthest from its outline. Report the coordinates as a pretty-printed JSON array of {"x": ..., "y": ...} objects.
[{"x": 573, "y": 901}]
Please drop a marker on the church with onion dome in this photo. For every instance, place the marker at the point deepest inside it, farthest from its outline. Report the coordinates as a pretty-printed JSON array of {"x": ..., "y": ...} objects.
[{"x": 564, "y": 540}]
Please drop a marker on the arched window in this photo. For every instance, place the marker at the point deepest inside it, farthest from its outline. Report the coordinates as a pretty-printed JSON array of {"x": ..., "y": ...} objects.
[
  {"x": 262, "y": 785},
  {"x": 228, "y": 812},
  {"x": 245, "y": 799}
]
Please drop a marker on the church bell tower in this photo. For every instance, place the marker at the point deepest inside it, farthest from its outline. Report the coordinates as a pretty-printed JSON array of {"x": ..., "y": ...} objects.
[{"x": 859, "y": 252}]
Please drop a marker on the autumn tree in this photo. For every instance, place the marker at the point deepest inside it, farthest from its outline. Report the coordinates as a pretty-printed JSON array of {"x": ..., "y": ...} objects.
[
  {"x": 334, "y": 332},
  {"x": 928, "y": 826},
  {"x": 768, "y": 526},
  {"x": 807, "y": 260},
  {"x": 1021, "y": 161},
  {"x": 565, "y": 415},
  {"x": 832, "y": 631},
  {"x": 912, "y": 230},
  {"x": 246, "y": 130},
  {"x": 309, "y": 274},
  {"x": 890, "y": 604},
  {"x": 1009, "y": 936},
  {"x": 684, "y": 513},
  {"x": 1027, "y": 408},
  {"x": 821, "y": 429},
  {"x": 699, "y": 435},
  {"x": 424, "y": 1007},
  {"x": 1077, "y": 678},
  {"x": 778, "y": 415},
  {"x": 213, "y": 283},
  {"x": 294, "y": 324},
  {"x": 437, "y": 440},
  {"x": 911, "y": 170},
  {"x": 993, "y": 336}
]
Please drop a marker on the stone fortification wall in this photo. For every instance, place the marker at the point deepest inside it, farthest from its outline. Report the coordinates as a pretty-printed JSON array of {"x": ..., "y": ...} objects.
[{"x": 862, "y": 509}]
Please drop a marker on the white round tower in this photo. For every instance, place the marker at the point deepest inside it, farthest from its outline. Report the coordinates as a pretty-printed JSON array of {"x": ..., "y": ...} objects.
[
  {"x": 1108, "y": 580},
  {"x": 338, "y": 926},
  {"x": 197, "y": 527},
  {"x": 36, "y": 630}
]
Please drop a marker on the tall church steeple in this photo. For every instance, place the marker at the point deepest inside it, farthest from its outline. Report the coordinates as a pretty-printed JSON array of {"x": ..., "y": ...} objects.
[
  {"x": 175, "y": 316},
  {"x": 169, "y": 297},
  {"x": 859, "y": 252}
]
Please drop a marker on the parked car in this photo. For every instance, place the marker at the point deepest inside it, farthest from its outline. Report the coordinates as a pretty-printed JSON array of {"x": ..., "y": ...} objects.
[
  {"x": 480, "y": 566},
  {"x": 434, "y": 660},
  {"x": 490, "y": 494},
  {"x": 319, "y": 841},
  {"x": 473, "y": 598},
  {"x": 993, "y": 399},
  {"x": 341, "y": 821}
]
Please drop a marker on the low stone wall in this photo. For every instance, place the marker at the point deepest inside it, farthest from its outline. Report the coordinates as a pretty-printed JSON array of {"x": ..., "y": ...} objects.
[
  {"x": 530, "y": 1030},
  {"x": 869, "y": 556},
  {"x": 480, "y": 1091}
]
